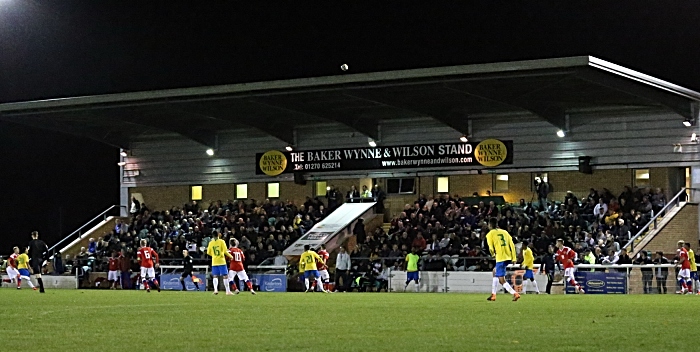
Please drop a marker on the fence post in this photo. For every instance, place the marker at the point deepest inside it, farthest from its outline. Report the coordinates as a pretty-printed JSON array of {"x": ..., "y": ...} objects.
[
  {"x": 444, "y": 274},
  {"x": 388, "y": 289}
]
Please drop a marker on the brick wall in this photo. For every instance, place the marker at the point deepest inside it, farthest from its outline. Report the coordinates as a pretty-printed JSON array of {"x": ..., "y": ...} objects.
[
  {"x": 684, "y": 226},
  {"x": 519, "y": 187},
  {"x": 98, "y": 231}
]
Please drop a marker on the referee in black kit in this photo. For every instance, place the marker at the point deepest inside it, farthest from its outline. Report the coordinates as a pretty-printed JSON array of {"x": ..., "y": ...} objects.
[{"x": 38, "y": 254}]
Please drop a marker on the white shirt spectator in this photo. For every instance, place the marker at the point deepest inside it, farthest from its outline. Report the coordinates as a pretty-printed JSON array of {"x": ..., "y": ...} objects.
[
  {"x": 281, "y": 260},
  {"x": 611, "y": 259},
  {"x": 596, "y": 210},
  {"x": 342, "y": 262}
]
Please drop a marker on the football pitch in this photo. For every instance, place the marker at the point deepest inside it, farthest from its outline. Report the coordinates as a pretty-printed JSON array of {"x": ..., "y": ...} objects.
[{"x": 93, "y": 320}]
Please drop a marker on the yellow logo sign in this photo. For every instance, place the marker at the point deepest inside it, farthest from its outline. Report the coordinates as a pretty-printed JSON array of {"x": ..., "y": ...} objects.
[
  {"x": 491, "y": 152},
  {"x": 273, "y": 163}
]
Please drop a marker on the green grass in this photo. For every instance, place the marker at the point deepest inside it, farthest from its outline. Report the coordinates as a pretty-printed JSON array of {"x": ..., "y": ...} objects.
[{"x": 63, "y": 320}]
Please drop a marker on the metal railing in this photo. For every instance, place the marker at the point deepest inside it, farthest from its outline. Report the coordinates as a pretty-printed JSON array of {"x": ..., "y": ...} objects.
[
  {"x": 675, "y": 201},
  {"x": 103, "y": 215}
]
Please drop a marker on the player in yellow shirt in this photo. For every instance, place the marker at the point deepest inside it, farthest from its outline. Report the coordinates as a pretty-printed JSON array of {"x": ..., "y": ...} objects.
[
  {"x": 693, "y": 268},
  {"x": 218, "y": 251},
  {"x": 307, "y": 265},
  {"x": 24, "y": 270},
  {"x": 501, "y": 246},
  {"x": 411, "y": 265},
  {"x": 528, "y": 263}
]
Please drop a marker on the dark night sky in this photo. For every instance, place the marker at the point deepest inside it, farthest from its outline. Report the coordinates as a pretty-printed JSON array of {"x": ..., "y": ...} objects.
[{"x": 65, "y": 48}]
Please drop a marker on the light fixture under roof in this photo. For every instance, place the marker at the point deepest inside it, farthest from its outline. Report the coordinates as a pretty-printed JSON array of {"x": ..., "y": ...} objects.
[
  {"x": 210, "y": 152},
  {"x": 123, "y": 153},
  {"x": 561, "y": 134},
  {"x": 121, "y": 163},
  {"x": 371, "y": 142},
  {"x": 289, "y": 148},
  {"x": 464, "y": 139},
  {"x": 687, "y": 123}
]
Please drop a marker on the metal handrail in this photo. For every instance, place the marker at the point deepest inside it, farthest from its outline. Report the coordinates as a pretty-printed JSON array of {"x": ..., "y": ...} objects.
[
  {"x": 80, "y": 229},
  {"x": 674, "y": 201}
]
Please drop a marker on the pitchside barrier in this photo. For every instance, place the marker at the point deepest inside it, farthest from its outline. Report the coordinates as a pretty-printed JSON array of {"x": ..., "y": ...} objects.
[
  {"x": 170, "y": 277},
  {"x": 596, "y": 279}
]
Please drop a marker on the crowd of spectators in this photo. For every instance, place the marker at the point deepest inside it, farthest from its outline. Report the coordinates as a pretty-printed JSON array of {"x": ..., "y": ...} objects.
[
  {"x": 263, "y": 228},
  {"x": 451, "y": 234}
]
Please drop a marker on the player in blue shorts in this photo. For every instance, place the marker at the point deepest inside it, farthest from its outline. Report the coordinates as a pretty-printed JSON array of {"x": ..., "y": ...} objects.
[
  {"x": 501, "y": 246},
  {"x": 411, "y": 266},
  {"x": 528, "y": 264},
  {"x": 307, "y": 265}
]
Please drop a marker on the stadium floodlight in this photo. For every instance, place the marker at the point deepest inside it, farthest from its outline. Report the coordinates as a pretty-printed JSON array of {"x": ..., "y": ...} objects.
[
  {"x": 371, "y": 142},
  {"x": 464, "y": 138},
  {"x": 289, "y": 148},
  {"x": 210, "y": 152},
  {"x": 561, "y": 134},
  {"x": 687, "y": 123},
  {"x": 121, "y": 163}
]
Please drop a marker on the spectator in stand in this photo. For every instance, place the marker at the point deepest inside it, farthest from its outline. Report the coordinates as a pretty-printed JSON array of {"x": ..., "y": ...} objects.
[
  {"x": 353, "y": 195},
  {"x": 366, "y": 193},
  {"x": 624, "y": 259},
  {"x": 379, "y": 196},
  {"x": 135, "y": 206},
  {"x": 611, "y": 258},
  {"x": 661, "y": 272},
  {"x": 359, "y": 230},
  {"x": 92, "y": 246},
  {"x": 600, "y": 209},
  {"x": 280, "y": 259},
  {"x": 419, "y": 242},
  {"x": 333, "y": 197},
  {"x": 543, "y": 190}
]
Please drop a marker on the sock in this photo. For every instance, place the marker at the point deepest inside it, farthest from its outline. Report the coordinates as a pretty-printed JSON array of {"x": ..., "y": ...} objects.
[
  {"x": 145, "y": 284},
  {"x": 683, "y": 284},
  {"x": 536, "y": 288},
  {"x": 41, "y": 284},
  {"x": 417, "y": 287},
  {"x": 155, "y": 283},
  {"x": 524, "y": 287},
  {"x": 319, "y": 283},
  {"x": 510, "y": 290},
  {"x": 689, "y": 283},
  {"x": 29, "y": 282},
  {"x": 228, "y": 288},
  {"x": 306, "y": 283},
  {"x": 232, "y": 283},
  {"x": 494, "y": 286},
  {"x": 196, "y": 285},
  {"x": 250, "y": 285},
  {"x": 19, "y": 281},
  {"x": 406, "y": 286},
  {"x": 183, "y": 285},
  {"x": 216, "y": 284}
]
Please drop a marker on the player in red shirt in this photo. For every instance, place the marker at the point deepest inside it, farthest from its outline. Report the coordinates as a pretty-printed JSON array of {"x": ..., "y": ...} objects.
[
  {"x": 113, "y": 274},
  {"x": 148, "y": 258},
  {"x": 684, "y": 274},
  {"x": 12, "y": 272},
  {"x": 236, "y": 267},
  {"x": 322, "y": 267},
  {"x": 566, "y": 257}
]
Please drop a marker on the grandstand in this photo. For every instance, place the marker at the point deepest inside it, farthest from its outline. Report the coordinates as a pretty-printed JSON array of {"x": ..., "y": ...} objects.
[{"x": 437, "y": 151}]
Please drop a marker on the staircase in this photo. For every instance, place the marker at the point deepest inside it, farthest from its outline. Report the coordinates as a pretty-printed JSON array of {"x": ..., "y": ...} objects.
[{"x": 681, "y": 223}]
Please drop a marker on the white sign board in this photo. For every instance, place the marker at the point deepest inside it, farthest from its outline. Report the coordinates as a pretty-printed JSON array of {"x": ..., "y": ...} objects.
[{"x": 328, "y": 230}]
